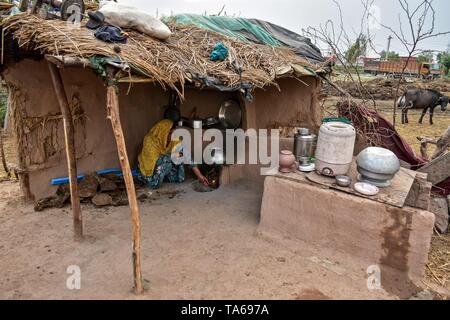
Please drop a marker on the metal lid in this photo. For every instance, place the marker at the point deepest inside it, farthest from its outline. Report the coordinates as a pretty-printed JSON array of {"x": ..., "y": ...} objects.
[
  {"x": 303, "y": 131},
  {"x": 306, "y": 138}
]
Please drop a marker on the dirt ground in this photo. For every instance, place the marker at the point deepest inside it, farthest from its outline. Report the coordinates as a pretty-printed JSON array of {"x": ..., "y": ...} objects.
[{"x": 214, "y": 253}]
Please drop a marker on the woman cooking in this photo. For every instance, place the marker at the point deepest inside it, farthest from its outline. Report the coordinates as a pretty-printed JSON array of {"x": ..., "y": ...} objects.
[{"x": 154, "y": 163}]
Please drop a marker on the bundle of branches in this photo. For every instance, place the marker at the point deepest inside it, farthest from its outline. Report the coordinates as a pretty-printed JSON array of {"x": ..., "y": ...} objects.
[
  {"x": 183, "y": 56},
  {"x": 365, "y": 122}
]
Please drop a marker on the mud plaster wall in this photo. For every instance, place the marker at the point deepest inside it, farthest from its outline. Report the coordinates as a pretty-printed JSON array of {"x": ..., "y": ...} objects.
[
  {"x": 295, "y": 104},
  {"x": 140, "y": 110},
  {"x": 397, "y": 240}
]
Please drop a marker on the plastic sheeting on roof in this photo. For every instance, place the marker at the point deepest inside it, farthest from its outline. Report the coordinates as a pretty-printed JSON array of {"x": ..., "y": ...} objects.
[{"x": 254, "y": 30}]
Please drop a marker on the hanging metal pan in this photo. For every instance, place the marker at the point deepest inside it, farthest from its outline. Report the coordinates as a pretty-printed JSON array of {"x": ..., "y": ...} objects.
[{"x": 230, "y": 114}]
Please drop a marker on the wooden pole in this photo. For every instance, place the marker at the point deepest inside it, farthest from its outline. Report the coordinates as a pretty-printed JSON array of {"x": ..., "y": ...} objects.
[
  {"x": 68, "y": 62},
  {"x": 114, "y": 116},
  {"x": 69, "y": 135},
  {"x": 2, "y": 155}
]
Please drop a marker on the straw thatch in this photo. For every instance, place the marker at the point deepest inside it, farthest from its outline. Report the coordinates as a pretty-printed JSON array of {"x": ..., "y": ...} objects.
[{"x": 184, "y": 56}]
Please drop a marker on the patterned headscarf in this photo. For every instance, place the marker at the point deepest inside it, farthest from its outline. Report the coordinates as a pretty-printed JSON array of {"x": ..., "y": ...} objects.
[{"x": 155, "y": 145}]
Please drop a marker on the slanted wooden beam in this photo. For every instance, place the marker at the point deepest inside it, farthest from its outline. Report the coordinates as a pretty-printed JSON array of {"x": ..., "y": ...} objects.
[
  {"x": 68, "y": 62},
  {"x": 114, "y": 116},
  {"x": 69, "y": 135}
]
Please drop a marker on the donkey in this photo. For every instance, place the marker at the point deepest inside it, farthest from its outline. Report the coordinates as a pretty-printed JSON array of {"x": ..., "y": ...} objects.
[{"x": 421, "y": 98}]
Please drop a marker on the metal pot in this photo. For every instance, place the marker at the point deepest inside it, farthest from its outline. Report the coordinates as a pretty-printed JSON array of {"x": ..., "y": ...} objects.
[
  {"x": 183, "y": 122},
  {"x": 196, "y": 124},
  {"x": 304, "y": 145},
  {"x": 218, "y": 156},
  {"x": 211, "y": 121},
  {"x": 377, "y": 166}
]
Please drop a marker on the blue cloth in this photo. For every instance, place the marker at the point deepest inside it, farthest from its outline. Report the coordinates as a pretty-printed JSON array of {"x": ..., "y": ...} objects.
[
  {"x": 220, "y": 52},
  {"x": 165, "y": 171},
  {"x": 110, "y": 34}
]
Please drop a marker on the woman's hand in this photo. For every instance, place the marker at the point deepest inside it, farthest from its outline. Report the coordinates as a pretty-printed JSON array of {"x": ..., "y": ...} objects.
[
  {"x": 200, "y": 176},
  {"x": 204, "y": 180}
]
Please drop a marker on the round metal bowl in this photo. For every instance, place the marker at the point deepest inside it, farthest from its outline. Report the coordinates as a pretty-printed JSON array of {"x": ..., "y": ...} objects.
[
  {"x": 343, "y": 181},
  {"x": 230, "y": 114}
]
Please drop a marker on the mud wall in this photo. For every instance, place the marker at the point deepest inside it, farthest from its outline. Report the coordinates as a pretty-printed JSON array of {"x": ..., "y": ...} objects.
[
  {"x": 374, "y": 234},
  {"x": 294, "y": 104},
  {"x": 141, "y": 108}
]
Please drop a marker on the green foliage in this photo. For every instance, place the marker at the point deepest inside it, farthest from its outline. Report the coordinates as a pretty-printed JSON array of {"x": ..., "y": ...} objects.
[
  {"x": 359, "y": 48},
  {"x": 3, "y": 105},
  {"x": 391, "y": 56},
  {"x": 444, "y": 59},
  {"x": 426, "y": 57}
]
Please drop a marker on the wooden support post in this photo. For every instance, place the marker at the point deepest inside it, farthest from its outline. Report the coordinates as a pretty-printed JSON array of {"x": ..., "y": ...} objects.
[
  {"x": 69, "y": 135},
  {"x": 2, "y": 155},
  {"x": 114, "y": 115}
]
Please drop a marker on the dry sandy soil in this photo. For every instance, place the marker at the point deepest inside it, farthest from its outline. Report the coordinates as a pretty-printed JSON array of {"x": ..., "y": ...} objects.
[{"x": 188, "y": 253}]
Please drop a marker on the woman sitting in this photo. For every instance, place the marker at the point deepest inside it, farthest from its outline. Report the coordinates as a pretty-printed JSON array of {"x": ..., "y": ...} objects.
[{"x": 155, "y": 164}]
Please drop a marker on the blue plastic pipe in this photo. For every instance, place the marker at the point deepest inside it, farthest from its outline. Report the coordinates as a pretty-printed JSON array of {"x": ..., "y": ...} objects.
[{"x": 64, "y": 180}]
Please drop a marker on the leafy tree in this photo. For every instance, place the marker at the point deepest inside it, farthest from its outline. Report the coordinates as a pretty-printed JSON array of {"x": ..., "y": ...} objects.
[
  {"x": 359, "y": 48},
  {"x": 391, "y": 56},
  {"x": 444, "y": 59},
  {"x": 426, "y": 57}
]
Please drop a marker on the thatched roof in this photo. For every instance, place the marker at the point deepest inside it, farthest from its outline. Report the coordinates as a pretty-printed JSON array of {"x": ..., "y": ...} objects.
[{"x": 181, "y": 58}]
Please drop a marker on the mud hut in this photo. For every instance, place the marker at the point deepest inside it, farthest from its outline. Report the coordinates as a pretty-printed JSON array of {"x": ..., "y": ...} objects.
[{"x": 67, "y": 88}]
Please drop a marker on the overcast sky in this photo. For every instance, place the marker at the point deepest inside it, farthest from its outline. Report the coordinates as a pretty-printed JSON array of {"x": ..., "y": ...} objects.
[{"x": 299, "y": 14}]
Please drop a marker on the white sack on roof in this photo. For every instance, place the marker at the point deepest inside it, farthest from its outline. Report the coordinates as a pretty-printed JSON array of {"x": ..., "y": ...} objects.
[{"x": 130, "y": 17}]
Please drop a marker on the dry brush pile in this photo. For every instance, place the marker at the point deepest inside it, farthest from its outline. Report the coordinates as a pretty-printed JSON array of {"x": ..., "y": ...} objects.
[{"x": 385, "y": 89}]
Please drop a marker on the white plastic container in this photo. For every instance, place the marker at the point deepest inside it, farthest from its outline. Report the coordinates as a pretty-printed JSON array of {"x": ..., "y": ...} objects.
[{"x": 335, "y": 147}]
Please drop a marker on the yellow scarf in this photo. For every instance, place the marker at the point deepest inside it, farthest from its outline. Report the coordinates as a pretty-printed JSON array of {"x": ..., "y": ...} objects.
[{"x": 155, "y": 145}]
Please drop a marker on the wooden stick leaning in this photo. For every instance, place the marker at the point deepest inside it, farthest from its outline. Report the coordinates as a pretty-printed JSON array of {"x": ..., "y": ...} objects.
[
  {"x": 114, "y": 116},
  {"x": 69, "y": 135}
]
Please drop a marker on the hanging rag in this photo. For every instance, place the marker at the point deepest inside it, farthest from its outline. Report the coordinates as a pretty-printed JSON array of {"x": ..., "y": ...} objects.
[
  {"x": 219, "y": 53},
  {"x": 110, "y": 34},
  {"x": 156, "y": 144}
]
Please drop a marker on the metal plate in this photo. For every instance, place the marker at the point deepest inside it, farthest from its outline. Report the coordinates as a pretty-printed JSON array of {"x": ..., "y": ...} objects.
[{"x": 230, "y": 114}]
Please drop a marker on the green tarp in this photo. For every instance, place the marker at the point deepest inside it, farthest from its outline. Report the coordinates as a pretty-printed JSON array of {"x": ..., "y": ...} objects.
[
  {"x": 253, "y": 30},
  {"x": 228, "y": 26}
]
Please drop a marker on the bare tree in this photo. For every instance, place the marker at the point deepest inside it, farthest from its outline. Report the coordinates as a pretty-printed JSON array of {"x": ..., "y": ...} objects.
[
  {"x": 334, "y": 36},
  {"x": 421, "y": 25}
]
